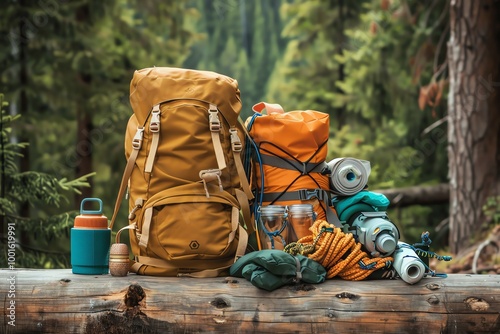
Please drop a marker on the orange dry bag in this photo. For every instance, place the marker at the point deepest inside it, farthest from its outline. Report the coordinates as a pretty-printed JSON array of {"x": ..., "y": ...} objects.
[{"x": 289, "y": 167}]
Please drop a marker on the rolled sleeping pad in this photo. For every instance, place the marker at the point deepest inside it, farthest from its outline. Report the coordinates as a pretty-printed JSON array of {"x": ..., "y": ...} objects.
[{"x": 348, "y": 175}]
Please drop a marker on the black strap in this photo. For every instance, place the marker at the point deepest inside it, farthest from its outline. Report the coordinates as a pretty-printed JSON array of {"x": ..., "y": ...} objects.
[{"x": 304, "y": 167}]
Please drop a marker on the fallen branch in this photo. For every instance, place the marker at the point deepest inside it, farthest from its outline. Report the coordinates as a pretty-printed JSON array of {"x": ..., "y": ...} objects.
[{"x": 417, "y": 195}]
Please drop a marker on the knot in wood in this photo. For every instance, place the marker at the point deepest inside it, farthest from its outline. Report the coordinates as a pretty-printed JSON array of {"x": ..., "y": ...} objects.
[
  {"x": 135, "y": 294},
  {"x": 347, "y": 295},
  {"x": 477, "y": 304},
  {"x": 219, "y": 303},
  {"x": 330, "y": 313},
  {"x": 433, "y": 300},
  {"x": 230, "y": 280},
  {"x": 432, "y": 286}
]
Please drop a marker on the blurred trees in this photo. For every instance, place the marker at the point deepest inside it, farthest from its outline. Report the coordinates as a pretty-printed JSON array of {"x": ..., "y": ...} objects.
[
  {"x": 378, "y": 67},
  {"x": 74, "y": 61},
  {"x": 66, "y": 68},
  {"x": 308, "y": 72},
  {"x": 369, "y": 77},
  {"x": 31, "y": 240},
  {"x": 241, "y": 39}
]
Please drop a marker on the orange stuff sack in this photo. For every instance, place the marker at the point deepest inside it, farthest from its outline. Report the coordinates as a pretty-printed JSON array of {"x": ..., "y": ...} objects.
[{"x": 291, "y": 149}]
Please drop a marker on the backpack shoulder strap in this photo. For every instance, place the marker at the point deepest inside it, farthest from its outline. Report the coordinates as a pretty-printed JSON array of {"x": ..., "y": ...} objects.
[{"x": 136, "y": 144}]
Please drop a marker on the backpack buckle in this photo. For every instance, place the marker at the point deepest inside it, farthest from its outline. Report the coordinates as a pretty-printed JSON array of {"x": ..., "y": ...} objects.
[
  {"x": 307, "y": 194},
  {"x": 235, "y": 140},
  {"x": 137, "y": 140},
  {"x": 208, "y": 175},
  {"x": 213, "y": 118},
  {"x": 154, "y": 125}
]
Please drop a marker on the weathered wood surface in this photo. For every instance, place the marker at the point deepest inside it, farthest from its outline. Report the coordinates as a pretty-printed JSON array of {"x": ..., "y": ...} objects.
[{"x": 57, "y": 301}]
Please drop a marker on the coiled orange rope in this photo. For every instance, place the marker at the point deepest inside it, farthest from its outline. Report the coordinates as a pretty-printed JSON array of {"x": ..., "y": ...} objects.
[{"x": 337, "y": 252}]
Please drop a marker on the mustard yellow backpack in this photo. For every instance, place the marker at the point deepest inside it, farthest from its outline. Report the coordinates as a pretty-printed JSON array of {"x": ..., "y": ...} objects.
[{"x": 187, "y": 188}]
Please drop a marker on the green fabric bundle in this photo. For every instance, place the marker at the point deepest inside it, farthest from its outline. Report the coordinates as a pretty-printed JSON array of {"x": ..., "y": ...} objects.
[{"x": 270, "y": 269}]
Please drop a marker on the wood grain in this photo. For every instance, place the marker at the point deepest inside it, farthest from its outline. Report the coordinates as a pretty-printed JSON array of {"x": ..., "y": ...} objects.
[{"x": 57, "y": 301}]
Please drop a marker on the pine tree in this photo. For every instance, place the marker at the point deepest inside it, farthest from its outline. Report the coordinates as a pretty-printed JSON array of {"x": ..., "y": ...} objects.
[
  {"x": 75, "y": 76},
  {"x": 363, "y": 62},
  {"x": 41, "y": 191},
  {"x": 316, "y": 34},
  {"x": 240, "y": 39}
]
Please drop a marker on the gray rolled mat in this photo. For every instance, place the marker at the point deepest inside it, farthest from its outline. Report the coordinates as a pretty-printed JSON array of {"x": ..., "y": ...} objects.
[{"x": 348, "y": 175}]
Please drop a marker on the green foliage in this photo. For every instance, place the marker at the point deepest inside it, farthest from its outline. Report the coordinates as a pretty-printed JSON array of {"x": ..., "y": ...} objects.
[
  {"x": 308, "y": 72},
  {"x": 363, "y": 62},
  {"x": 385, "y": 64},
  {"x": 492, "y": 210},
  {"x": 67, "y": 68},
  {"x": 240, "y": 39},
  {"x": 41, "y": 191}
]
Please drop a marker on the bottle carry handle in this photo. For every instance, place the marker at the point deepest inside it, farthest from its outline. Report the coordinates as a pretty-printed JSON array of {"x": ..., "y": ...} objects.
[{"x": 91, "y": 212}]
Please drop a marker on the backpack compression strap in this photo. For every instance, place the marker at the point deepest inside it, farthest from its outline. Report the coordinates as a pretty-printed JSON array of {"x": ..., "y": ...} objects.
[
  {"x": 303, "y": 194},
  {"x": 154, "y": 128},
  {"x": 236, "y": 147},
  {"x": 214, "y": 124},
  {"x": 215, "y": 127},
  {"x": 303, "y": 167},
  {"x": 246, "y": 195}
]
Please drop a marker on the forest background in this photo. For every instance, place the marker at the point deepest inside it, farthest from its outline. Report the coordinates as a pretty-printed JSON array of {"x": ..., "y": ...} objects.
[{"x": 379, "y": 68}]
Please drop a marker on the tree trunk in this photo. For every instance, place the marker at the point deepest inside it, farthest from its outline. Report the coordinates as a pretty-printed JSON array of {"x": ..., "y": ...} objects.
[
  {"x": 474, "y": 121},
  {"x": 340, "y": 112},
  {"x": 24, "y": 161},
  {"x": 245, "y": 31},
  {"x": 84, "y": 121},
  {"x": 83, "y": 152}
]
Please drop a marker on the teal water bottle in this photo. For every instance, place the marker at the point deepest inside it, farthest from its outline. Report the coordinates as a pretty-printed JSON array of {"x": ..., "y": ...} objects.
[{"x": 90, "y": 241}]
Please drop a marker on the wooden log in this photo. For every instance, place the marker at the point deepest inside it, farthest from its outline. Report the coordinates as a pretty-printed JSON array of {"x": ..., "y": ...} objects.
[
  {"x": 57, "y": 301},
  {"x": 417, "y": 195}
]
